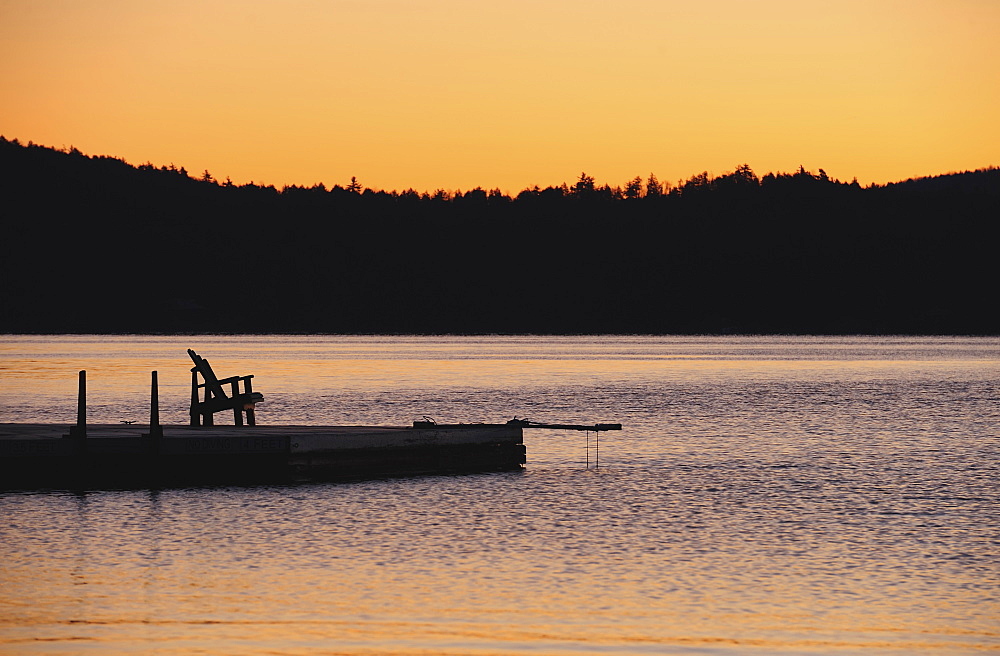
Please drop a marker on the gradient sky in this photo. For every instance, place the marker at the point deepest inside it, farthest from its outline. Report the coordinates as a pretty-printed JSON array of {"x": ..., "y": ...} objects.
[{"x": 456, "y": 94}]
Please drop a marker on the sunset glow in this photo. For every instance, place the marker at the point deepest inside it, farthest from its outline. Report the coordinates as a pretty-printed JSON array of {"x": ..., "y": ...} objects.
[{"x": 453, "y": 94}]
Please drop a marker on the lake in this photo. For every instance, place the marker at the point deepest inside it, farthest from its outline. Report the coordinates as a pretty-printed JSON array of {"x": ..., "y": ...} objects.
[{"x": 768, "y": 495}]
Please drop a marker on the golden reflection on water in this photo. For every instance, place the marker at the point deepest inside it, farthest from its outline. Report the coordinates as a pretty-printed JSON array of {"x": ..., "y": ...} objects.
[{"x": 804, "y": 496}]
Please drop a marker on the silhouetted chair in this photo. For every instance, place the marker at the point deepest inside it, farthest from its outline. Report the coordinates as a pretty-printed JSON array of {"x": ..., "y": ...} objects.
[{"x": 216, "y": 399}]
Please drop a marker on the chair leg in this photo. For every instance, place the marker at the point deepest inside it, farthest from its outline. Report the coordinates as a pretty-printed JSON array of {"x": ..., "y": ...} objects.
[
  {"x": 237, "y": 411},
  {"x": 208, "y": 416},
  {"x": 251, "y": 414},
  {"x": 195, "y": 417}
]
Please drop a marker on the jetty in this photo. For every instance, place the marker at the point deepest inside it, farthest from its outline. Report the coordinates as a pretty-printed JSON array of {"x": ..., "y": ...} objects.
[{"x": 152, "y": 455}]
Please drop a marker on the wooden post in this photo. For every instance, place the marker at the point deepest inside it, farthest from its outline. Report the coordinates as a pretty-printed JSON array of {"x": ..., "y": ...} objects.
[
  {"x": 154, "y": 404},
  {"x": 81, "y": 405},
  {"x": 78, "y": 431},
  {"x": 155, "y": 430}
]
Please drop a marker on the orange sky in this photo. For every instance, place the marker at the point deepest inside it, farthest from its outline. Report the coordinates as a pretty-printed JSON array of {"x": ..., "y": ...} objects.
[{"x": 460, "y": 93}]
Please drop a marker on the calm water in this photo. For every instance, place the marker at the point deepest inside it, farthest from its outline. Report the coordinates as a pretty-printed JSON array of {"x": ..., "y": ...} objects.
[{"x": 767, "y": 496}]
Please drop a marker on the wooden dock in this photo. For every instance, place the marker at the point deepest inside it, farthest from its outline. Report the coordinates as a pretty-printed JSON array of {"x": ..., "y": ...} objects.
[
  {"x": 50, "y": 455},
  {"x": 103, "y": 455}
]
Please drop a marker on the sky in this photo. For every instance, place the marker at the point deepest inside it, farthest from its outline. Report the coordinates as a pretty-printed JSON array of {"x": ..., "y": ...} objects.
[{"x": 458, "y": 94}]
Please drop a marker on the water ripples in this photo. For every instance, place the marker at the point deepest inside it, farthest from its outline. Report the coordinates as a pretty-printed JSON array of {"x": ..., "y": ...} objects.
[{"x": 811, "y": 504}]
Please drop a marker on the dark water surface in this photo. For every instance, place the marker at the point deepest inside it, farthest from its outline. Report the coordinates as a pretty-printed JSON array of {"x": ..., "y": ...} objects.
[{"x": 778, "y": 495}]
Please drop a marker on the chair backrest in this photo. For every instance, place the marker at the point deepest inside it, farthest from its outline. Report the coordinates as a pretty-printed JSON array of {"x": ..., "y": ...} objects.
[{"x": 202, "y": 366}]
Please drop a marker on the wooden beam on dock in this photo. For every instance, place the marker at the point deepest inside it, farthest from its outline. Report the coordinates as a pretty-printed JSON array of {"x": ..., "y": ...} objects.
[{"x": 524, "y": 423}]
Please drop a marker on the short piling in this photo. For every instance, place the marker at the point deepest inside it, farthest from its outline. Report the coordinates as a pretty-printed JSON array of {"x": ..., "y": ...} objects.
[
  {"x": 78, "y": 432},
  {"x": 155, "y": 429}
]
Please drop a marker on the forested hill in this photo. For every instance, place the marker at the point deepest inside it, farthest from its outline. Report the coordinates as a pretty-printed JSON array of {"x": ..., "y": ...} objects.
[{"x": 93, "y": 244}]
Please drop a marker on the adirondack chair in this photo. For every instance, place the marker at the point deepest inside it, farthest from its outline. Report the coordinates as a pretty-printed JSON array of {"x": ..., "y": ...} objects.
[{"x": 215, "y": 398}]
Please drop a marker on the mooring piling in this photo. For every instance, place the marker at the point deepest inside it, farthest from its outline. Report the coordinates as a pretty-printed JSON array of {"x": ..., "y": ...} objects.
[
  {"x": 155, "y": 433},
  {"x": 154, "y": 404},
  {"x": 78, "y": 431},
  {"x": 81, "y": 405}
]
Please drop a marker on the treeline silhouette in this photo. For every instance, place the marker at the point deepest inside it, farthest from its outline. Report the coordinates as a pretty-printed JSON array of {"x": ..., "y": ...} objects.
[{"x": 94, "y": 244}]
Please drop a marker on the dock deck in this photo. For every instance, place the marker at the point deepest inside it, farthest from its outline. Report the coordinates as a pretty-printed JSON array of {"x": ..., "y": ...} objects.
[{"x": 34, "y": 455}]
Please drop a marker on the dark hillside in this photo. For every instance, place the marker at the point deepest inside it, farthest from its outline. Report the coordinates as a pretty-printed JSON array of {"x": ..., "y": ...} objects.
[{"x": 94, "y": 244}]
